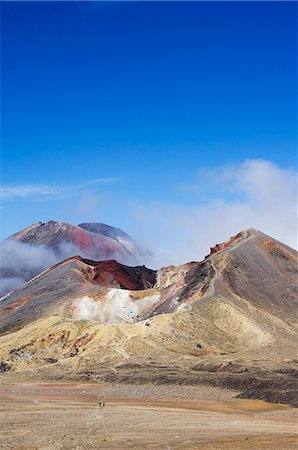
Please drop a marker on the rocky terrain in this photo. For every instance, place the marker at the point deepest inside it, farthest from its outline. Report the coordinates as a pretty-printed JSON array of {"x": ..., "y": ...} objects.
[{"x": 229, "y": 320}]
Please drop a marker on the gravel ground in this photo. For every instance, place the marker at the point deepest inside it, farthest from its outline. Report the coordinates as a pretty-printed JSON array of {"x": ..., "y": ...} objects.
[{"x": 69, "y": 416}]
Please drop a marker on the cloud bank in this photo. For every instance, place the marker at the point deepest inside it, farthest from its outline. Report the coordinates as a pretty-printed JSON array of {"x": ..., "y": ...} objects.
[
  {"x": 19, "y": 262},
  {"x": 220, "y": 203}
]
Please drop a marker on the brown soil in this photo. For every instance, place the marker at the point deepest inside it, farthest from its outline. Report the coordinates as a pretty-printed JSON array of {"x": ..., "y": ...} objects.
[{"x": 69, "y": 416}]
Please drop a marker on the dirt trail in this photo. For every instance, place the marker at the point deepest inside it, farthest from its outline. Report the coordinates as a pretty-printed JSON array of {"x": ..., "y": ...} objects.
[{"x": 68, "y": 416}]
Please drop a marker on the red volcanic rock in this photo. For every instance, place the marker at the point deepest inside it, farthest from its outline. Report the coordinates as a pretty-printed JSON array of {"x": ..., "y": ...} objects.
[
  {"x": 224, "y": 245},
  {"x": 81, "y": 239},
  {"x": 14, "y": 306},
  {"x": 113, "y": 274}
]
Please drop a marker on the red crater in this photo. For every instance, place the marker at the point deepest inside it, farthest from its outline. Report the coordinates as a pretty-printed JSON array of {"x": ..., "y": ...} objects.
[{"x": 113, "y": 274}]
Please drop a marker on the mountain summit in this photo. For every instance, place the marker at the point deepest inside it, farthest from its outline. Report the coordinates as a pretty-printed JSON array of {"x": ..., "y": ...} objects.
[{"x": 95, "y": 240}]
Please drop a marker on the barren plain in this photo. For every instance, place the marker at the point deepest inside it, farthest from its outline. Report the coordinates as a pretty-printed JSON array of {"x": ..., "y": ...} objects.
[{"x": 44, "y": 415}]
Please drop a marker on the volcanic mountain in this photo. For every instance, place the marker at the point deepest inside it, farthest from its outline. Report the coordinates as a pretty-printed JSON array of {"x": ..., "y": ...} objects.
[
  {"x": 94, "y": 240},
  {"x": 228, "y": 320},
  {"x": 37, "y": 247}
]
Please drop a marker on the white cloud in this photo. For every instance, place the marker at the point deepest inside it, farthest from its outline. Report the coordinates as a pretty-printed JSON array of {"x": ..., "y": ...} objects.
[
  {"x": 19, "y": 262},
  {"x": 255, "y": 193},
  {"x": 25, "y": 191},
  {"x": 40, "y": 191}
]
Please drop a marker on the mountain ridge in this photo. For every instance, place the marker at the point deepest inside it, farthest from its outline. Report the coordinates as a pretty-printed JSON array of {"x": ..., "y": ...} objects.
[{"x": 229, "y": 319}]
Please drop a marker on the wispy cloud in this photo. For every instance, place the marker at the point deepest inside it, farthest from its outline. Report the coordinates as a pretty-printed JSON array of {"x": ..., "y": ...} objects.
[
  {"x": 27, "y": 190},
  {"x": 40, "y": 191}
]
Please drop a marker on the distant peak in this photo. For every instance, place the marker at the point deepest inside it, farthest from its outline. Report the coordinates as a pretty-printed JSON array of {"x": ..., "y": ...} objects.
[{"x": 104, "y": 229}]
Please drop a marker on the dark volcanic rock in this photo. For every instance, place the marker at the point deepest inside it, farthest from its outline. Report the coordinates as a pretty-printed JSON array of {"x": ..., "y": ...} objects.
[{"x": 4, "y": 367}]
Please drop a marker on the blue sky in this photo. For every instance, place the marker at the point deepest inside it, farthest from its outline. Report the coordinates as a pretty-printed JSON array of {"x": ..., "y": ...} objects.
[{"x": 108, "y": 108}]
